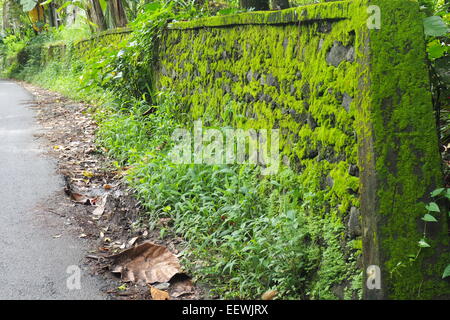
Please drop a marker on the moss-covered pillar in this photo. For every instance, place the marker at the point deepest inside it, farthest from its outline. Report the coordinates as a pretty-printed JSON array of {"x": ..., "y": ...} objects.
[{"x": 398, "y": 154}]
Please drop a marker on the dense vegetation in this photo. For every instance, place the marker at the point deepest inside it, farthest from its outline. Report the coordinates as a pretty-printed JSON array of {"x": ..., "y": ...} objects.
[{"x": 245, "y": 234}]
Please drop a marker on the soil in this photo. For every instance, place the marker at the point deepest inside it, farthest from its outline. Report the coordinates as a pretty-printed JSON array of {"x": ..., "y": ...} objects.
[{"x": 95, "y": 204}]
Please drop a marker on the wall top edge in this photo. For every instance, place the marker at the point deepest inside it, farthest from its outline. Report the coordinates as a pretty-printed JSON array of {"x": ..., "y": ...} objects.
[{"x": 336, "y": 10}]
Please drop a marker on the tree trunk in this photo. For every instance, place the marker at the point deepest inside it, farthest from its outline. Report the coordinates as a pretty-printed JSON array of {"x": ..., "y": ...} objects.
[
  {"x": 6, "y": 16},
  {"x": 257, "y": 4},
  {"x": 11, "y": 14},
  {"x": 118, "y": 14},
  {"x": 95, "y": 14},
  {"x": 280, "y": 4},
  {"x": 53, "y": 15}
]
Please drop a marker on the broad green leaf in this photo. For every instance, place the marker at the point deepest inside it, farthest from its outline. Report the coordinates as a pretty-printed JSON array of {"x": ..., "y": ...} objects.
[
  {"x": 447, "y": 194},
  {"x": 433, "y": 207},
  {"x": 446, "y": 272},
  {"x": 437, "y": 192},
  {"x": 153, "y": 6},
  {"x": 435, "y": 26},
  {"x": 28, "y": 5},
  {"x": 423, "y": 244},
  {"x": 429, "y": 218},
  {"x": 436, "y": 51},
  {"x": 103, "y": 4}
]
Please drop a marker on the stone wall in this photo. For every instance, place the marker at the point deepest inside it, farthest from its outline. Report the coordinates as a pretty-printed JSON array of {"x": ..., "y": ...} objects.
[
  {"x": 83, "y": 48},
  {"x": 354, "y": 109}
]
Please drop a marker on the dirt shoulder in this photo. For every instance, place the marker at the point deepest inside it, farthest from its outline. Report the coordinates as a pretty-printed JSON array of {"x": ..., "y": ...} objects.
[{"x": 96, "y": 204}]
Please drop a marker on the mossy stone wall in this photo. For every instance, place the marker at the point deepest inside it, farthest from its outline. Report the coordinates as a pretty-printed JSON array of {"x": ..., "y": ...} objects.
[
  {"x": 82, "y": 49},
  {"x": 357, "y": 126},
  {"x": 354, "y": 109}
]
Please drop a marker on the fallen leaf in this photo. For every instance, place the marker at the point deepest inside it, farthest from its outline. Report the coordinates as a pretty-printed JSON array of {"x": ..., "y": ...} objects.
[
  {"x": 131, "y": 242},
  {"x": 122, "y": 287},
  {"x": 88, "y": 174},
  {"x": 165, "y": 221},
  {"x": 101, "y": 206},
  {"x": 147, "y": 262},
  {"x": 81, "y": 198},
  {"x": 78, "y": 197},
  {"x": 269, "y": 295},
  {"x": 159, "y": 294},
  {"x": 162, "y": 286},
  {"x": 182, "y": 287}
]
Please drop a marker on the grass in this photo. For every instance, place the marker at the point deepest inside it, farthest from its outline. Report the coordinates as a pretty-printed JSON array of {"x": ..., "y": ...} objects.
[{"x": 245, "y": 233}]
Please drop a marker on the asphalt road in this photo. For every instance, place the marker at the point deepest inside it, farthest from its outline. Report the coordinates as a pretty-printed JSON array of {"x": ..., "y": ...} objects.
[{"x": 33, "y": 264}]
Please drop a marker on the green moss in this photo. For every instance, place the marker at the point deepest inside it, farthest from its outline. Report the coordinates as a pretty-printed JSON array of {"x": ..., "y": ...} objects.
[
  {"x": 405, "y": 150},
  {"x": 313, "y": 12},
  {"x": 397, "y": 150},
  {"x": 263, "y": 74},
  {"x": 269, "y": 70}
]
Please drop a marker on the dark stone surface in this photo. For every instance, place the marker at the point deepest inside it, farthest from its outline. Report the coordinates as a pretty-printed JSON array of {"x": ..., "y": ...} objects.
[
  {"x": 354, "y": 226},
  {"x": 339, "y": 53},
  {"x": 311, "y": 121},
  {"x": 324, "y": 26},
  {"x": 329, "y": 181},
  {"x": 272, "y": 81},
  {"x": 249, "y": 75},
  {"x": 353, "y": 170},
  {"x": 346, "y": 101},
  {"x": 306, "y": 91}
]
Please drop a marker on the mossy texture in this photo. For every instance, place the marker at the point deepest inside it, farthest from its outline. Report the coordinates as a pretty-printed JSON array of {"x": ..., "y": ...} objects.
[
  {"x": 314, "y": 12},
  {"x": 287, "y": 71},
  {"x": 354, "y": 111},
  {"x": 83, "y": 49},
  {"x": 400, "y": 156},
  {"x": 341, "y": 95}
]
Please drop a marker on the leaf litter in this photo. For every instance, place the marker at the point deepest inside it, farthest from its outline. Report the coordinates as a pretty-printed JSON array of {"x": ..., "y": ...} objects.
[{"x": 103, "y": 210}]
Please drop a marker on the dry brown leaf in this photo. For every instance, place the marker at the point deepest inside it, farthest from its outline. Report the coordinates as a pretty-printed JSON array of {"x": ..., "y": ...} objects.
[
  {"x": 132, "y": 241},
  {"x": 159, "y": 294},
  {"x": 182, "y": 287},
  {"x": 78, "y": 197},
  {"x": 269, "y": 295},
  {"x": 165, "y": 221},
  {"x": 101, "y": 206},
  {"x": 81, "y": 198},
  {"x": 147, "y": 262}
]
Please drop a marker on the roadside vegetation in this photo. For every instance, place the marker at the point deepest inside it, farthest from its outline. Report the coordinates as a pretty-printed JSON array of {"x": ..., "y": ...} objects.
[{"x": 244, "y": 233}]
